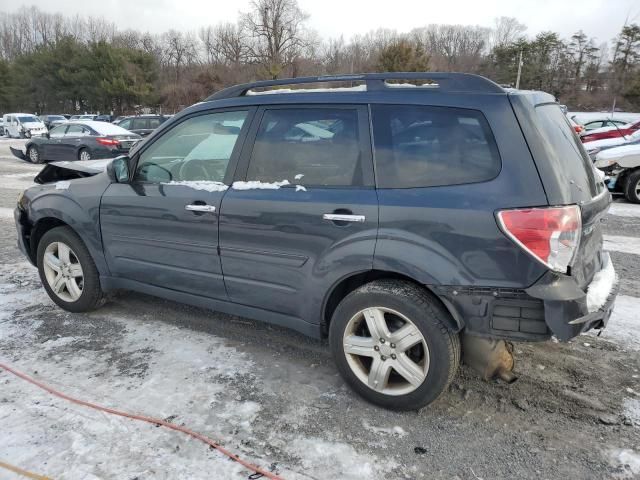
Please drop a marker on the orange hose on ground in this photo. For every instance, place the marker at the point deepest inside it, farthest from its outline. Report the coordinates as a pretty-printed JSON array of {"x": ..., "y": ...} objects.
[
  {"x": 24, "y": 473},
  {"x": 143, "y": 418}
]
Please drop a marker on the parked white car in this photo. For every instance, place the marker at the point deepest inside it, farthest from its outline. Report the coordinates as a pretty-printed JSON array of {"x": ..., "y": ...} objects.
[
  {"x": 622, "y": 167},
  {"x": 595, "y": 147},
  {"x": 23, "y": 125}
]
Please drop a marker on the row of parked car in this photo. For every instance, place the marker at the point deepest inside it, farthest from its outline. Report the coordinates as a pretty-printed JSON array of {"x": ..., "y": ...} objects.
[
  {"x": 26, "y": 125},
  {"x": 614, "y": 147},
  {"x": 80, "y": 137}
]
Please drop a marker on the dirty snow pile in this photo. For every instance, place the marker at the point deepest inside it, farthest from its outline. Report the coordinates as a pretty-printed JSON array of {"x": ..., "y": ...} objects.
[{"x": 600, "y": 287}]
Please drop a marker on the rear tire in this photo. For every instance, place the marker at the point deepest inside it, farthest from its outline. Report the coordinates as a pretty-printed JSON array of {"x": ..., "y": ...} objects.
[
  {"x": 632, "y": 187},
  {"x": 84, "y": 154},
  {"x": 68, "y": 273},
  {"x": 400, "y": 370}
]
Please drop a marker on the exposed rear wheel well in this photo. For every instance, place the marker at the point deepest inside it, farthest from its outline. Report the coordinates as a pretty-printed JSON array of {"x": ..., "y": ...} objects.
[
  {"x": 41, "y": 227},
  {"x": 349, "y": 284}
]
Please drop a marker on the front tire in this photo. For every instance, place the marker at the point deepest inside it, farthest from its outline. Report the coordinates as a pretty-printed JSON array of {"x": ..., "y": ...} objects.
[
  {"x": 632, "y": 187},
  {"x": 33, "y": 154},
  {"x": 391, "y": 344},
  {"x": 67, "y": 271}
]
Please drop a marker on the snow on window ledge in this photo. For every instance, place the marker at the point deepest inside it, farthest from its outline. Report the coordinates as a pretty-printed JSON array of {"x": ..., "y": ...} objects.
[
  {"x": 600, "y": 287},
  {"x": 208, "y": 186},
  {"x": 258, "y": 185}
]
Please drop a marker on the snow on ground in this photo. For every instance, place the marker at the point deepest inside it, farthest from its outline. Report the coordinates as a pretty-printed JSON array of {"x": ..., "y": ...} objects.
[
  {"x": 6, "y": 212},
  {"x": 623, "y": 327},
  {"x": 618, "y": 243},
  {"x": 628, "y": 460},
  {"x": 150, "y": 368},
  {"x": 625, "y": 209}
]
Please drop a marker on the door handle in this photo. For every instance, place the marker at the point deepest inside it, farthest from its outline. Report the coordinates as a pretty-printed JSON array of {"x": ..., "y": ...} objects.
[
  {"x": 200, "y": 208},
  {"x": 341, "y": 217}
]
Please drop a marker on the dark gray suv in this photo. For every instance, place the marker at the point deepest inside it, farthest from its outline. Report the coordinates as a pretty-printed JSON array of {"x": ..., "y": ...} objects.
[{"x": 394, "y": 216}]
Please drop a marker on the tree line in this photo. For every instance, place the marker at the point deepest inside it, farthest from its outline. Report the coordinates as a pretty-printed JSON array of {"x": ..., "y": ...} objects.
[{"x": 50, "y": 63}]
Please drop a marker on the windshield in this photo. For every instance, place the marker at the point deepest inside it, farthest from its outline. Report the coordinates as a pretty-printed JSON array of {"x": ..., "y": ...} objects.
[
  {"x": 56, "y": 117},
  {"x": 27, "y": 119}
]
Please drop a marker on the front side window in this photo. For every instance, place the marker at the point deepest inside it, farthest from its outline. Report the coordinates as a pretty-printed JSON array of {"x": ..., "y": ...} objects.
[
  {"x": 125, "y": 124},
  {"x": 421, "y": 146},
  {"x": 308, "y": 146},
  {"x": 198, "y": 149}
]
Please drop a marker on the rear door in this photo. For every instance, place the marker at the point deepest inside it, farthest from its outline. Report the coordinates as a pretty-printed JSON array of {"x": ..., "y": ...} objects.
[
  {"x": 161, "y": 228},
  {"x": 305, "y": 212},
  {"x": 67, "y": 146}
]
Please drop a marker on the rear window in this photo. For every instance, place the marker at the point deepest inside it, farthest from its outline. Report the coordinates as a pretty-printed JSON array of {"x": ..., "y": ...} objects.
[
  {"x": 563, "y": 147},
  {"x": 422, "y": 146}
]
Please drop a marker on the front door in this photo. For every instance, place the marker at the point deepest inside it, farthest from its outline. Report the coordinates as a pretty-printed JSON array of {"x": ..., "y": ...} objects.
[
  {"x": 305, "y": 213},
  {"x": 161, "y": 228},
  {"x": 51, "y": 149}
]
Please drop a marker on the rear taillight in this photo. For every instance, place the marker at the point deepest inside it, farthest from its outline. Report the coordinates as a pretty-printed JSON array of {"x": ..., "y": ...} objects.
[
  {"x": 578, "y": 128},
  {"x": 109, "y": 142},
  {"x": 551, "y": 234}
]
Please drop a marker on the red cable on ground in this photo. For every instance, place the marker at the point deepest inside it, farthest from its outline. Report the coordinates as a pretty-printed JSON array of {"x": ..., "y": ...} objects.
[{"x": 154, "y": 421}]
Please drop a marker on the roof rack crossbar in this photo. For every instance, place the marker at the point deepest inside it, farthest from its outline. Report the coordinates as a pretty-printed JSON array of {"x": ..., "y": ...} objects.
[{"x": 451, "y": 82}]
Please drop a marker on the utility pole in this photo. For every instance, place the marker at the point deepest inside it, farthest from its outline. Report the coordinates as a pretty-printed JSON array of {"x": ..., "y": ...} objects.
[{"x": 519, "y": 70}]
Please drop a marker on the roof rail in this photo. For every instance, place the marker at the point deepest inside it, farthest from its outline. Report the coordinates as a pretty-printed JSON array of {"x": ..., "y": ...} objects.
[{"x": 450, "y": 82}]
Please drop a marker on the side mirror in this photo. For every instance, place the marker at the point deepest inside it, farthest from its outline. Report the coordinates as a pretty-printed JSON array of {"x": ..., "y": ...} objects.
[{"x": 118, "y": 170}]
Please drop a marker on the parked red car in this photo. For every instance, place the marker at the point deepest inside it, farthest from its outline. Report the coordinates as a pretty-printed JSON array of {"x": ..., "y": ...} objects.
[{"x": 610, "y": 132}]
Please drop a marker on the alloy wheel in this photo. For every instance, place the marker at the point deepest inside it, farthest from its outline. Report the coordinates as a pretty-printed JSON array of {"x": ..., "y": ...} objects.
[
  {"x": 85, "y": 155},
  {"x": 386, "y": 351},
  {"x": 63, "y": 271},
  {"x": 33, "y": 155}
]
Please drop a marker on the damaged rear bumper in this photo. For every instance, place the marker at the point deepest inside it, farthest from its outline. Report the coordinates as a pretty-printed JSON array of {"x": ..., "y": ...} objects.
[
  {"x": 567, "y": 306},
  {"x": 554, "y": 305}
]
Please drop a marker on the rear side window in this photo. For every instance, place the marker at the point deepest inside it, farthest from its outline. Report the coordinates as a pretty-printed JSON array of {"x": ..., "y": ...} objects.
[
  {"x": 422, "y": 146},
  {"x": 309, "y": 146},
  {"x": 139, "y": 123},
  {"x": 564, "y": 149}
]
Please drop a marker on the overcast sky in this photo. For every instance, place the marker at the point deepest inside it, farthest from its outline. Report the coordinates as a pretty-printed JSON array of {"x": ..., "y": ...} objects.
[{"x": 331, "y": 18}]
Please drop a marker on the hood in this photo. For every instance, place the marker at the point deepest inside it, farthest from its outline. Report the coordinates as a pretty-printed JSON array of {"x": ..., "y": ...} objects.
[
  {"x": 56, "y": 171},
  {"x": 607, "y": 142},
  {"x": 33, "y": 125}
]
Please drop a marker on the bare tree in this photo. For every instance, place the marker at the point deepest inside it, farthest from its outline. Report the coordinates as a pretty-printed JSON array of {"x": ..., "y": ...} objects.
[
  {"x": 276, "y": 28},
  {"x": 506, "y": 30}
]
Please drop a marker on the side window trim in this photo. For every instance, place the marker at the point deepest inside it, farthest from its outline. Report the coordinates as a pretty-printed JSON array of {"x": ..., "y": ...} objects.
[
  {"x": 233, "y": 161},
  {"x": 364, "y": 133}
]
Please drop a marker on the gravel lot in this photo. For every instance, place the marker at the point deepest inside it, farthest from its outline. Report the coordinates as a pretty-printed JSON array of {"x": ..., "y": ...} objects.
[{"x": 275, "y": 398}]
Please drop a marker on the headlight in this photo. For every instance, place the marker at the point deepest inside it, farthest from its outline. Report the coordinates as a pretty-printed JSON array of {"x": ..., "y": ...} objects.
[{"x": 604, "y": 163}]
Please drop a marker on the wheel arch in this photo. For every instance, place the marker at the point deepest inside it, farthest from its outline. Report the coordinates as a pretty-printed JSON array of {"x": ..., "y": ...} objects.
[
  {"x": 348, "y": 284},
  {"x": 54, "y": 219}
]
